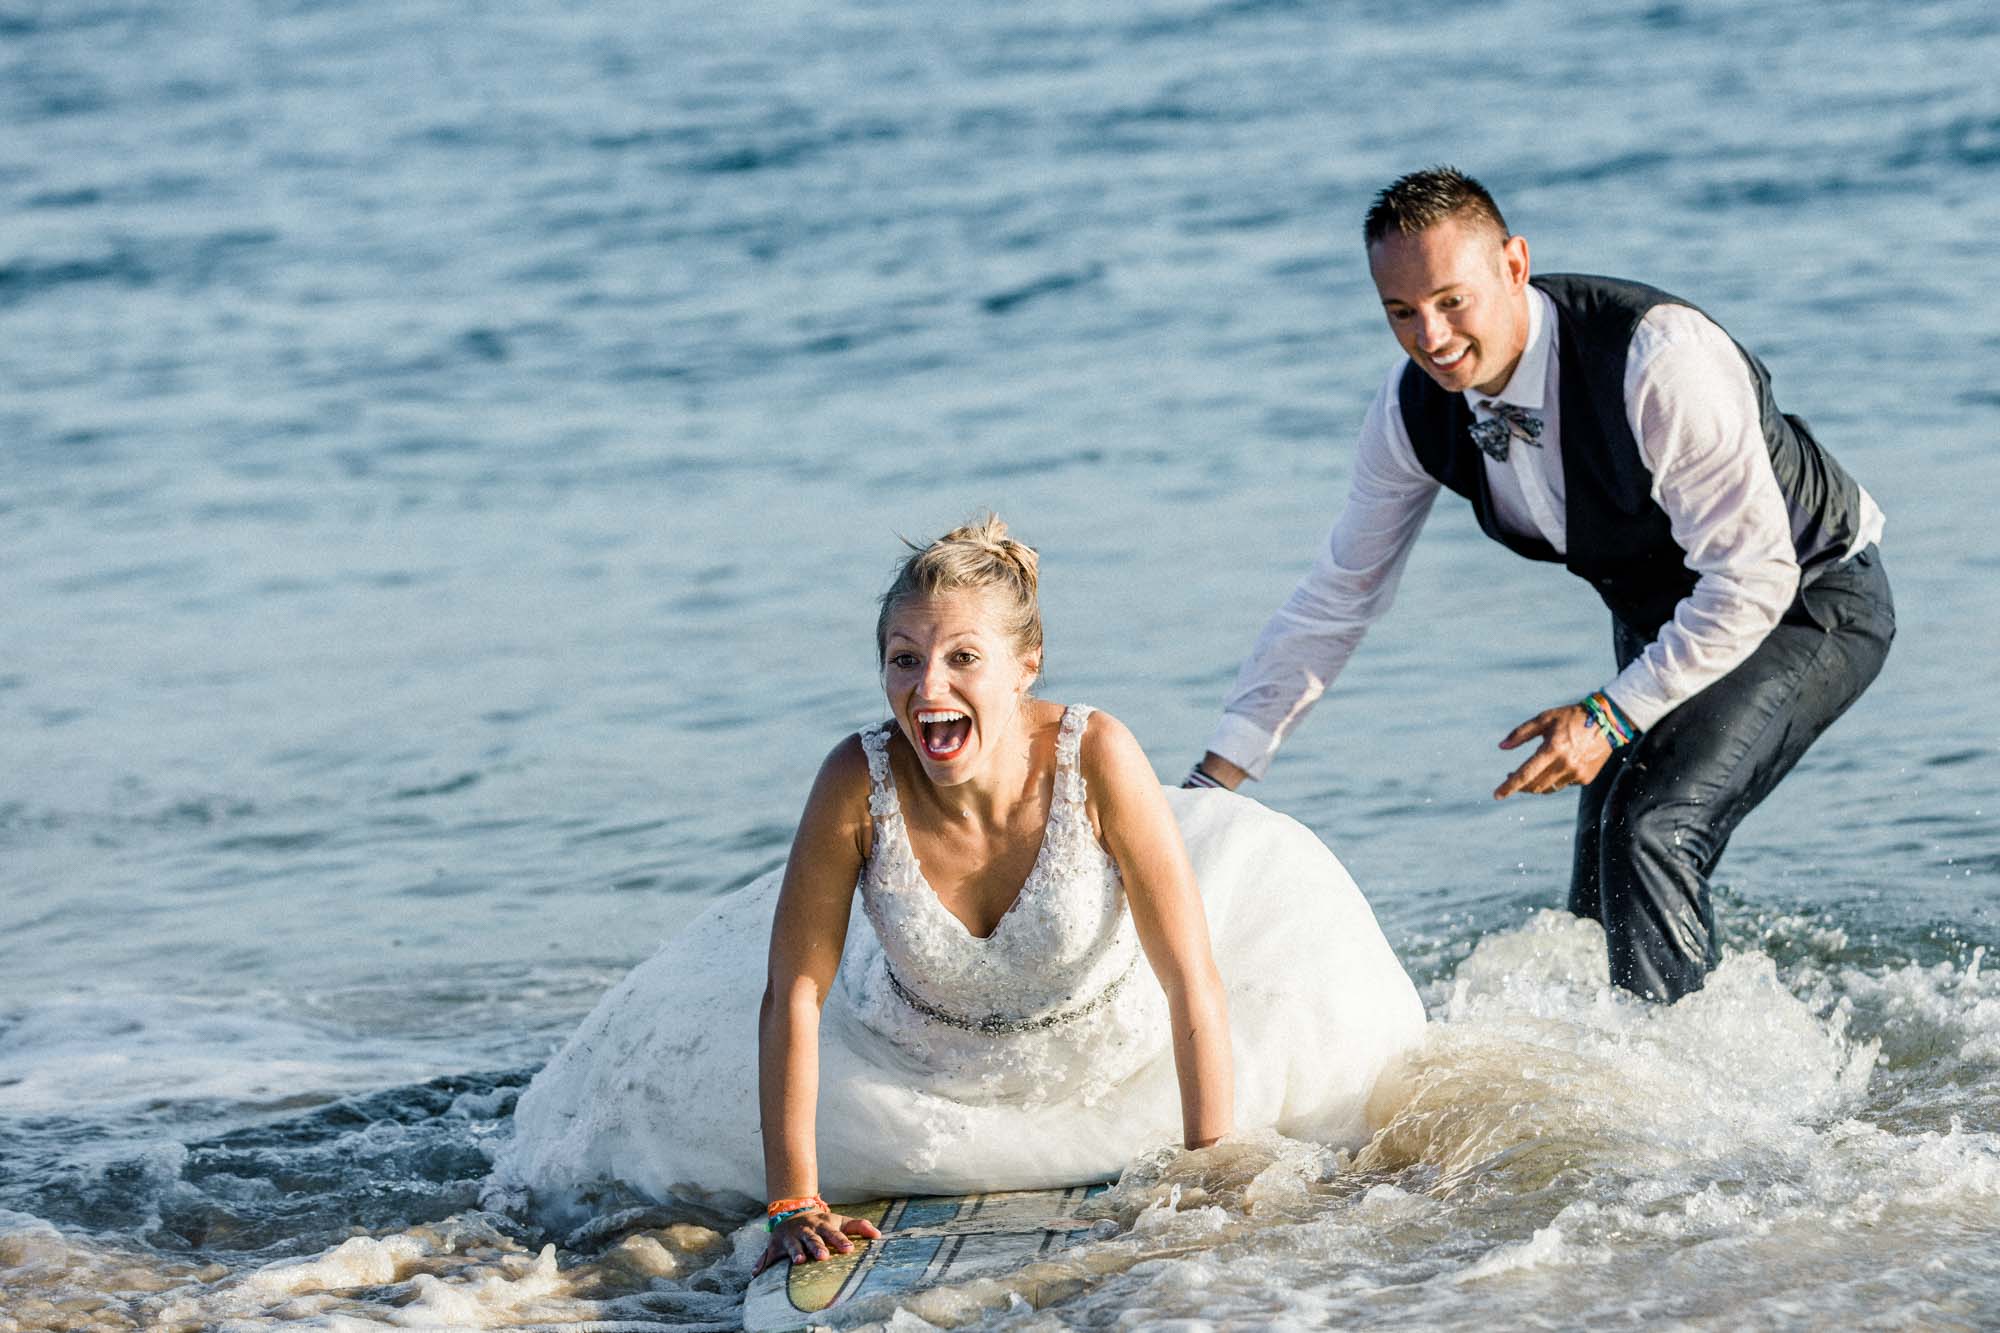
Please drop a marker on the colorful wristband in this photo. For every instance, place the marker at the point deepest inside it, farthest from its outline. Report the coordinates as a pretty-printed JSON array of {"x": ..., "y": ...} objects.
[
  {"x": 781, "y": 1211},
  {"x": 776, "y": 1220},
  {"x": 792, "y": 1205},
  {"x": 1200, "y": 777},
  {"x": 1608, "y": 718}
]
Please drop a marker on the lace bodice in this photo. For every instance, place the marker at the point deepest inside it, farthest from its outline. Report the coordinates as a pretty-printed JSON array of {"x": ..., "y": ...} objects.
[
  {"x": 1062, "y": 965},
  {"x": 1062, "y": 940}
]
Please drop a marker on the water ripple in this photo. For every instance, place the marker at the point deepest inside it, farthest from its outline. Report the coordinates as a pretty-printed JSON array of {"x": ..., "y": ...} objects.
[
  {"x": 1968, "y": 141},
  {"x": 1005, "y": 302}
]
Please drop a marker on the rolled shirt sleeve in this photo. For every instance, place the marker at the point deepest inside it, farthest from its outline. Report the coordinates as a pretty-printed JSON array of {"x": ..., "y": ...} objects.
[
  {"x": 1693, "y": 409},
  {"x": 1350, "y": 586}
]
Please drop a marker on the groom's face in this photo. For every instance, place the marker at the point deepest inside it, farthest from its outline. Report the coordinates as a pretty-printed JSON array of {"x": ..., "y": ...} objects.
[{"x": 1456, "y": 298}]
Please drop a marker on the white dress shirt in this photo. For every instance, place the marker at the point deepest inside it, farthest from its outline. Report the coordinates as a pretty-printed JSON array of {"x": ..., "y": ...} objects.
[{"x": 1693, "y": 410}]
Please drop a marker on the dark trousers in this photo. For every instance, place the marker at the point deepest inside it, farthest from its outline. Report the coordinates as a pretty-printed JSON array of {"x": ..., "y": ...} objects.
[{"x": 1652, "y": 825}]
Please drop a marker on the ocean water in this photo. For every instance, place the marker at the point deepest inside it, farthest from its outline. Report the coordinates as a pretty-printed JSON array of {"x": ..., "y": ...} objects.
[{"x": 447, "y": 455}]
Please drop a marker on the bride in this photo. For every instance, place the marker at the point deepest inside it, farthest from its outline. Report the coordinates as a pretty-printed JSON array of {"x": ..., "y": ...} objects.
[{"x": 984, "y": 1022}]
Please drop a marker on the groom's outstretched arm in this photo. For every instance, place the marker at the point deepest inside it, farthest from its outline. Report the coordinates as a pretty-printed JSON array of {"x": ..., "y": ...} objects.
[{"x": 1351, "y": 584}]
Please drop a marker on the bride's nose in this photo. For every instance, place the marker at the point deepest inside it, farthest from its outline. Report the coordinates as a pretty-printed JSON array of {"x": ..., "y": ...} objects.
[{"x": 936, "y": 678}]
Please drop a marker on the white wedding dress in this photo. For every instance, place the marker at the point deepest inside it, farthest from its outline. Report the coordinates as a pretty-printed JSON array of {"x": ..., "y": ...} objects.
[{"x": 1039, "y": 1055}]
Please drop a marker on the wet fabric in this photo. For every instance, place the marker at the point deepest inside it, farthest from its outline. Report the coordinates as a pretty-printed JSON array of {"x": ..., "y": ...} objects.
[{"x": 1653, "y": 824}]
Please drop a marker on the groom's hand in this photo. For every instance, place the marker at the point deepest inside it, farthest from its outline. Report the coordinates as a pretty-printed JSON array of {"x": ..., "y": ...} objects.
[{"x": 1571, "y": 754}]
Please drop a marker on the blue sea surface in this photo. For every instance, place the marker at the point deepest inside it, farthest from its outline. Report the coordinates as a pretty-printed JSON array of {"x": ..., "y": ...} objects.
[{"x": 448, "y": 455}]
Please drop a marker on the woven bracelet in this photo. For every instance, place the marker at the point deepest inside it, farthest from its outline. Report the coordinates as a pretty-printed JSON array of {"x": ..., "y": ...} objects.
[
  {"x": 776, "y": 1220},
  {"x": 1606, "y": 717}
]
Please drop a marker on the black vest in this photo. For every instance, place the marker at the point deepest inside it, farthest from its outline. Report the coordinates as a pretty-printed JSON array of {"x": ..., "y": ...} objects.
[{"x": 1618, "y": 538}]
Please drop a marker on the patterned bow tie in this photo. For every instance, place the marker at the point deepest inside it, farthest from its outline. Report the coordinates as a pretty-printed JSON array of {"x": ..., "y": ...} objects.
[{"x": 1508, "y": 423}]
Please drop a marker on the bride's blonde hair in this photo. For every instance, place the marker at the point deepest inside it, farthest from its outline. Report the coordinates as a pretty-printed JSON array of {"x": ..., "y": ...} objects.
[{"x": 970, "y": 558}]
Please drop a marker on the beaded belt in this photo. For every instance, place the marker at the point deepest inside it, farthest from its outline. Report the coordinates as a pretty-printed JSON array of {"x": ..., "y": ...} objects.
[{"x": 996, "y": 1024}]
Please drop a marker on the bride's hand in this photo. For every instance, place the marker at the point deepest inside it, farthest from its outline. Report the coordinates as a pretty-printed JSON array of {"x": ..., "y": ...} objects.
[{"x": 810, "y": 1237}]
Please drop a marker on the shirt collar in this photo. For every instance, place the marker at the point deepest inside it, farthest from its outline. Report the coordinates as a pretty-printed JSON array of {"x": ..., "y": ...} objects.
[{"x": 1529, "y": 384}]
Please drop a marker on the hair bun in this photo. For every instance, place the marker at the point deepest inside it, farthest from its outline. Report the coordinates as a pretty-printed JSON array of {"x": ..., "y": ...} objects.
[
  {"x": 989, "y": 535},
  {"x": 978, "y": 554}
]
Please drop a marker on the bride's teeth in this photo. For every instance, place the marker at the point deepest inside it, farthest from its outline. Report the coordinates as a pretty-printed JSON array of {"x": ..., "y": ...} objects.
[{"x": 948, "y": 742}]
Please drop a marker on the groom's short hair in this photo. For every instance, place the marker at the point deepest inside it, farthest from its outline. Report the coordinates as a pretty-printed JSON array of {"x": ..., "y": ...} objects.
[{"x": 1425, "y": 198}]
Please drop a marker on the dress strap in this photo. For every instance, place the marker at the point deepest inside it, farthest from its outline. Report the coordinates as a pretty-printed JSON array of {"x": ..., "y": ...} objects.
[
  {"x": 1069, "y": 743},
  {"x": 881, "y": 787}
]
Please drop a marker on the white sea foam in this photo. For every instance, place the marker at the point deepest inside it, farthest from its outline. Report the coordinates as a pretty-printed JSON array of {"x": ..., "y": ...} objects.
[
  {"x": 1545, "y": 1247},
  {"x": 484, "y": 1301},
  {"x": 360, "y": 1262},
  {"x": 107, "y": 1050},
  {"x": 1556, "y": 1146}
]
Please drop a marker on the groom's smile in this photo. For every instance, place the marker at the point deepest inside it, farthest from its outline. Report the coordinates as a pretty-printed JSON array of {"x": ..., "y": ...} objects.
[{"x": 1455, "y": 295}]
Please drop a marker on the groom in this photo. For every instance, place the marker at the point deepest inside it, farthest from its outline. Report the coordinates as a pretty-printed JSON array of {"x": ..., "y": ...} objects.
[{"x": 1616, "y": 429}]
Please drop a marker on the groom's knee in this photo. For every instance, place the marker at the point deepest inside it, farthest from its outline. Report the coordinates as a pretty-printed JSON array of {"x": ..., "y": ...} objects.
[{"x": 1656, "y": 851}]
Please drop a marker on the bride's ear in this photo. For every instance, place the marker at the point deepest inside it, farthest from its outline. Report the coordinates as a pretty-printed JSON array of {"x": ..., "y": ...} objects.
[{"x": 1031, "y": 671}]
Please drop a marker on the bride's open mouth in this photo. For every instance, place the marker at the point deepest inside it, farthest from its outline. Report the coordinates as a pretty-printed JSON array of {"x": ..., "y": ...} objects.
[{"x": 944, "y": 731}]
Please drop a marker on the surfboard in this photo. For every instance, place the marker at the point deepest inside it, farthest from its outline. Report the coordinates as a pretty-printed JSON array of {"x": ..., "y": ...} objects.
[{"x": 927, "y": 1241}]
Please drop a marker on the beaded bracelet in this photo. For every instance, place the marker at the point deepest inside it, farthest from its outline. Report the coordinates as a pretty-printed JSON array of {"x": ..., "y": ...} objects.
[
  {"x": 1199, "y": 777},
  {"x": 1608, "y": 718}
]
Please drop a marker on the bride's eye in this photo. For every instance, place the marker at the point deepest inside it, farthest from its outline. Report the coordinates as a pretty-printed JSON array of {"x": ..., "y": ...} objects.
[
  {"x": 965, "y": 657},
  {"x": 902, "y": 661}
]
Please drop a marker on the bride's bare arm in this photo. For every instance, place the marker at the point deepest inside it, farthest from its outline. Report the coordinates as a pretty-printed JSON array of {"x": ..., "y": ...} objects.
[
  {"x": 807, "y": 933},
  {"x": 1138, "y": 829}
]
